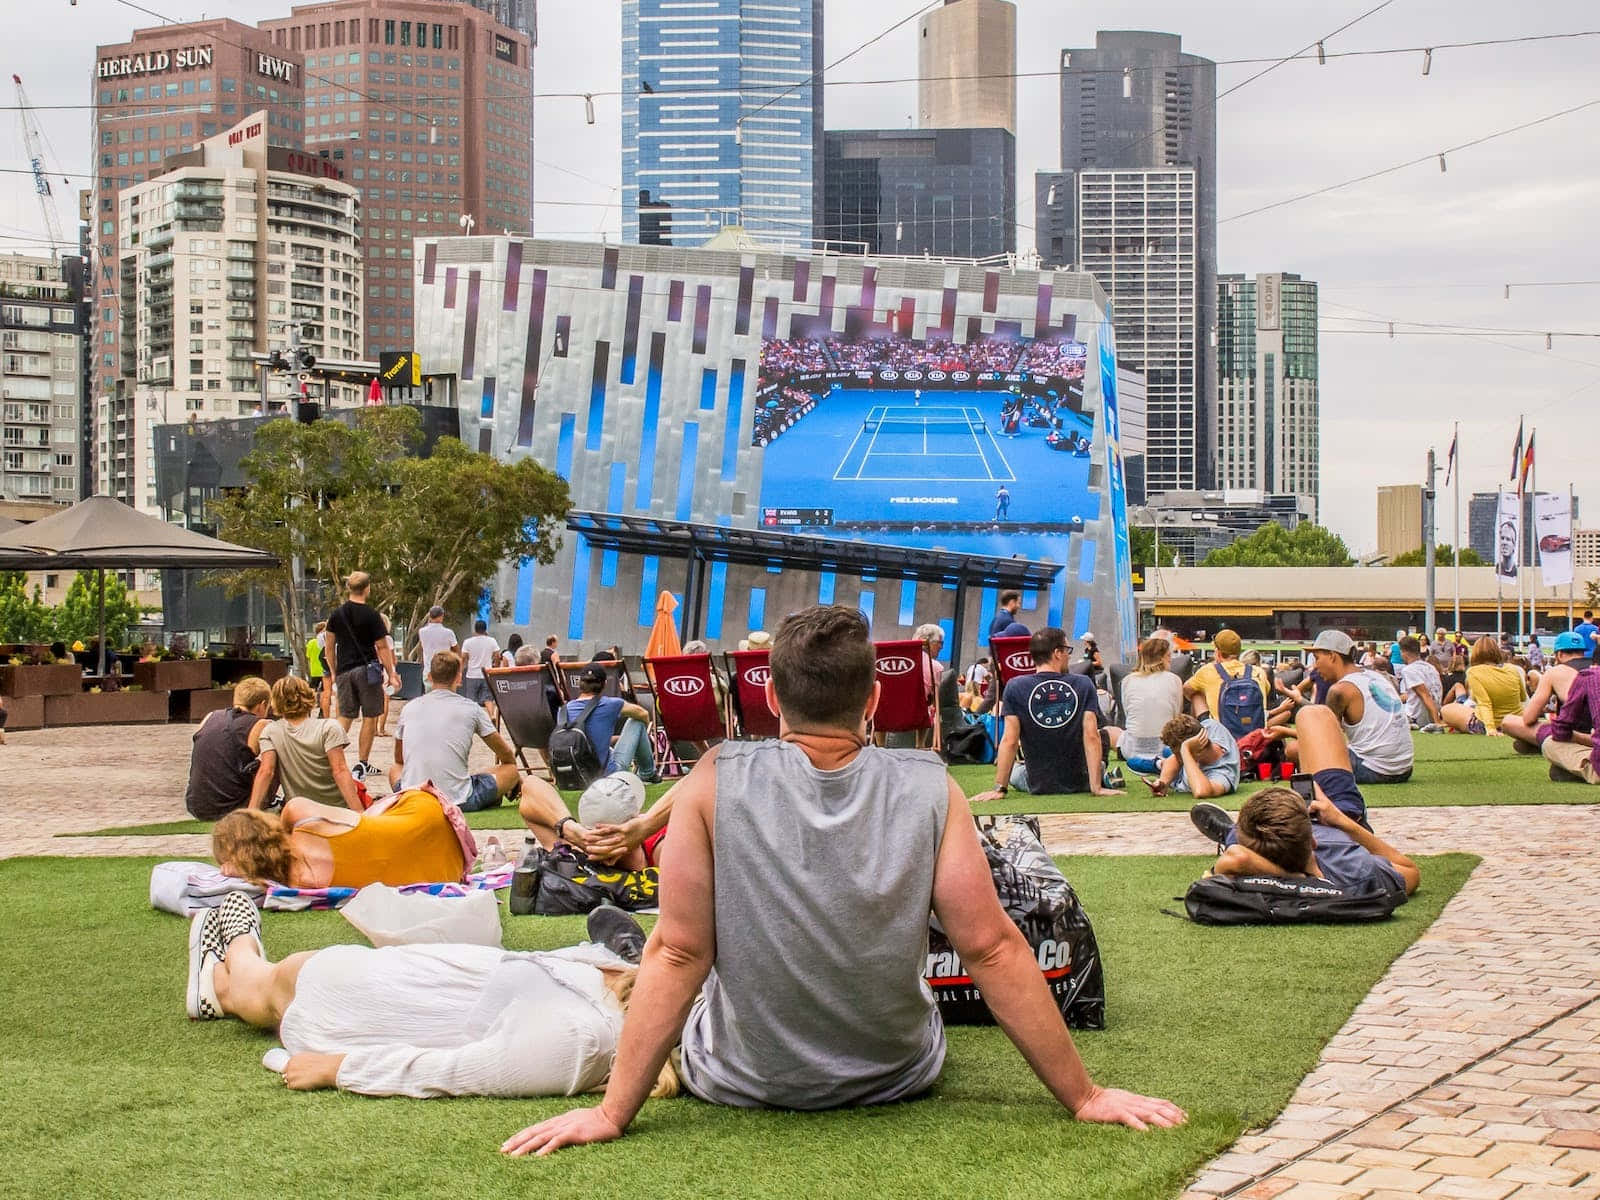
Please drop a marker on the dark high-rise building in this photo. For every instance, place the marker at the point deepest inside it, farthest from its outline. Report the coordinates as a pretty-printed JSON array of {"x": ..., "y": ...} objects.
[
  {"x": 1135, "y": 204},
  {"x": 945, "y": 192}
]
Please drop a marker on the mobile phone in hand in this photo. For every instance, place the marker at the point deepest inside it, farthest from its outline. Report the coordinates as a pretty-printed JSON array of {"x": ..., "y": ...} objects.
[{"x": 1303, "y": 786}]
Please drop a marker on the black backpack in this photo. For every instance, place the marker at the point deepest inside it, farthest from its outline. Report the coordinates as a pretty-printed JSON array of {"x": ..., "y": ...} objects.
[
  {"x": 1276, "y": 900},
  {"x": 570, "y": 755}
]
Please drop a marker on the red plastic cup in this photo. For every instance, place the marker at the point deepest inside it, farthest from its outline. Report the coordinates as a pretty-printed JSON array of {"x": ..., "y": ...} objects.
[
  {"x": 1264, "y": 770},
  {"x": 1286, "y": 770}
]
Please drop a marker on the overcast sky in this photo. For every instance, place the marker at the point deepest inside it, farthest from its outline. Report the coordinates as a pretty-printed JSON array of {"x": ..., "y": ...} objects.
[{"x": 1519, "y": 209}]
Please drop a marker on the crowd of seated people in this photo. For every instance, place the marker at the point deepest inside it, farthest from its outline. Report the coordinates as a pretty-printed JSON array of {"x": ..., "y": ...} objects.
[
  {"x": 1064, "y": 359},
  {"x": 771, "y": 423}
]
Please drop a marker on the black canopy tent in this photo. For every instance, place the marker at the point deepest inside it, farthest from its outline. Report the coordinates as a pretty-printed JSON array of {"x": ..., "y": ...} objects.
[
  {"x": 700, "y": 544},
  {"x": 101, "y": 534}
]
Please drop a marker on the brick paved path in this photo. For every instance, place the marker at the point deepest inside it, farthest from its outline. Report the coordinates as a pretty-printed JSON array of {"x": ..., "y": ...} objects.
[{"x": 1471, "y": 1070}]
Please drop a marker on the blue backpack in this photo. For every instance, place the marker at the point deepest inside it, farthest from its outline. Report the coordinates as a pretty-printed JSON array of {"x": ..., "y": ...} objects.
[{"x": 1241, "y": 707}]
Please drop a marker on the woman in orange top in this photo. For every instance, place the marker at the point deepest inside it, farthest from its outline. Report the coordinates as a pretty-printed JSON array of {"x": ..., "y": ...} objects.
[{"x": 315, "y": 845}]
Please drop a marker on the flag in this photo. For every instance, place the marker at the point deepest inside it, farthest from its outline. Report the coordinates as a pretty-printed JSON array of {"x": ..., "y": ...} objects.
[
  {"x": 1527, "y": 464},
  {"x": 1516, "y": 451},
  {"x": 1450, "y": 459}
]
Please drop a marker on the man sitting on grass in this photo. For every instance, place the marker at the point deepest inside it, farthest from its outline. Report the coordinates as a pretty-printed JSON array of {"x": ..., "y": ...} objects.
[
  {"x": 434, "y": 738},
  {"x": 789, "y": 956},
  {"x": 1278, "y": 833},
  {"x": 1374, "y": 731},
  {"x": 1569, "y": 741},
  {"x": 227, "y": 750},
  {"x": 1204, "y": 760},
  {"x": 1528, "y": 727},
  {"x": 1054, "y": 718}
]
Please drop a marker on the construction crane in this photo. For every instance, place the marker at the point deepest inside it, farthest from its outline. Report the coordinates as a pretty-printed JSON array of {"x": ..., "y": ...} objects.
[{"x": 41, "y": 182}]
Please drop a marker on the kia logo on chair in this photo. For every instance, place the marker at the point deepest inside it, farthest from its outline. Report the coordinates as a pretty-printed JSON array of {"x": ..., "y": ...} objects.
[
  {"x": 1020, "y": 660},
  {"x": 758, "y": 676},
  {"x": 895, "y": 665},
  {"x": 683, "y": 685}
]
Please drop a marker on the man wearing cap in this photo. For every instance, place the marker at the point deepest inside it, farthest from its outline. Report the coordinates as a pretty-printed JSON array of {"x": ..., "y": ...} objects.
[
  {"x": 1204, "y": 687},
  {"x": 434, "y": 738},
  {"x": 1528, "y": 728},
  {"x": 1055, "y": 718},
  {"x": 434, "y": 636},
  {"x": 1371, "y": 714},
  {"x": 632, "y": 751}
]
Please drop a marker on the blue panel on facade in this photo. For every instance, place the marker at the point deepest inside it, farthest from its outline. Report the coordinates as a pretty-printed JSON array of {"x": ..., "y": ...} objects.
[
  {"x": 987, "y": 611},
  {"x": 580, "y": 589},
  {"x": 866, "y": 603},
  {"x": 1058, "y": 599},
  {"x": 686, "y": 465},
  {"x": 1030, "y": 599},
  {"x": 608, "y": 568},
  {"x": 649, "y": 569},
  {"x": 1086, "y": 562},
  {"x": 949, "y": 627},
  {"x": 1080, "y": 618},
  {"x": 619, "y": 480},
  {"x": 908, "y": 601},
  {"x": 522, "y": 611},
  {"x": 569, "y": 422},
  {"x": 730, "y": 428},
  {"x": 716, "y": 597},
  {"x": 758, "y": 608},
  {"x": 708, "y": 389},
  {"x": 647, "y": 433},
  {"x": 597, "y": 396},
  {"x": 486, "y": 408},
  {"x": 825, "y": 587}
]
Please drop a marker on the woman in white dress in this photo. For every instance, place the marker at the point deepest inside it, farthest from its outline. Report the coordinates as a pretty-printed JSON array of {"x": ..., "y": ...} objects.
[
  {"x": 1151, "y": 696},
  {"x": 425, "y": 1020}
]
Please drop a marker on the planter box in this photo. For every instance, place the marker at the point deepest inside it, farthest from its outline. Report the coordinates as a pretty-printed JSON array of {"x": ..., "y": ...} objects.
[
  {"x": 197, "y": 706},
  {"x": 24, "y": 712},
  {"x": 177, "y": 675},
  {"x": 57, "y": 679},
  {"x": 228, "y": 671},
  {"x": 106, "y": 708}
]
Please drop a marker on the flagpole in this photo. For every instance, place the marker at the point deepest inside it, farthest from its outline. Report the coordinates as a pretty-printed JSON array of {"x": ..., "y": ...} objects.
[
  {"x": 1574, "y": 575},
  {"x": 1533, "y": 494},
  {"x": 1455, "y": 442}
]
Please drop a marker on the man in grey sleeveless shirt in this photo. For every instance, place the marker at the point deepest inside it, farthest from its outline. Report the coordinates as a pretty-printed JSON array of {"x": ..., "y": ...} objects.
[{"x": 798, "y": 878}]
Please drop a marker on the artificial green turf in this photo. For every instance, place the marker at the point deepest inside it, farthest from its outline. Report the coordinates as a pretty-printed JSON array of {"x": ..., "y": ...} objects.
[
  {"x": 109, "y": 1090},
  {"x": 1451, "y": 769}
]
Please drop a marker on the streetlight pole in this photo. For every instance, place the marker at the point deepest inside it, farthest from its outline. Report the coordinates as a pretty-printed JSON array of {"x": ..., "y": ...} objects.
[{"x": 1427, "y": 539}]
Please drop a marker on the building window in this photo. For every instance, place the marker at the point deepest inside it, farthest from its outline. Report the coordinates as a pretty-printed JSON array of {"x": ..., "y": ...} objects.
[{"x": 388, "y": 33}]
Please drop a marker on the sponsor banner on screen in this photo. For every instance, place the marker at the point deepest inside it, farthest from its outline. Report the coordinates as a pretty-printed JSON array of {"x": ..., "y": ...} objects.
[
  {"x": 1552, "y": 525},
  {"x": 1508, "y": 537}
]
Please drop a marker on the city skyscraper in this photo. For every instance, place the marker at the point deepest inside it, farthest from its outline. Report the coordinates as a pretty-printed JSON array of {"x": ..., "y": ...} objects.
[
  {"x": 427, "y": 107},
  {"x": 721, "y": 119},
  {"x": 967, "y": 66},
  {"x": 156, "y": 95},
  {"x": 43, "y": 323},
  {"x": 1139, "y": 146},
  {"x": 1268, "y": 425},
  {"x": 946, "y": 192}
]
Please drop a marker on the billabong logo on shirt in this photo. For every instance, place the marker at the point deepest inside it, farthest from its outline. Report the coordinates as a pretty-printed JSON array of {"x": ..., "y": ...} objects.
[
  {"x": 1052, "y": 704},
  {"x": 683, "y": 685}
]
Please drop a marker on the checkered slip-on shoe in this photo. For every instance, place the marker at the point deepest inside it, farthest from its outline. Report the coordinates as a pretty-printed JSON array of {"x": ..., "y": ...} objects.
[
  {"x": 238, "y": 917},
  {"x": 205, "y": 952}
]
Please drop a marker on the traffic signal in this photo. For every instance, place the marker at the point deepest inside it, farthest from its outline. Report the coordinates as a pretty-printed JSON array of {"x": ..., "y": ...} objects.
[
  {"x": 276, "y": 361},
  {"x": 304, "y": 360}
]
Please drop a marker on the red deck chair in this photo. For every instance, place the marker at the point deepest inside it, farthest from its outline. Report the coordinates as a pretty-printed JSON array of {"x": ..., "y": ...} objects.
[
  {"x": 686, "y": 698},
  {"x": 906, "y": 702},
  {"x": 1011, "y": 658},
  {"x": 748, "y": 672}
]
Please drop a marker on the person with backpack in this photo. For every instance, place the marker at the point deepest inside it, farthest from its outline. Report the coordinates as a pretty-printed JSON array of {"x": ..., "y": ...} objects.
[
  {"x": 1229, "y": 691},
  {"x": 581, "y": 747}
]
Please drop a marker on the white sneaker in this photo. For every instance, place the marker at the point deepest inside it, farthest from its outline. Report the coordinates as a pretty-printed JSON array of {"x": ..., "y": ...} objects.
[{"x": 205, "y": 952}]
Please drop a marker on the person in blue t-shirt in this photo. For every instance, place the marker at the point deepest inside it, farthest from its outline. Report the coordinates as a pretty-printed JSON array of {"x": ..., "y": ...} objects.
[
  {"x": 632, "y": 750},
  {"x": 1054, "y": 718},
  {"x": 1586, "y": 629}
]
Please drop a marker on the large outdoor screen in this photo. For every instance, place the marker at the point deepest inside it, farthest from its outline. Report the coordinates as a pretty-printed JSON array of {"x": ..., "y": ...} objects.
[{"x": 981, "y": 446}]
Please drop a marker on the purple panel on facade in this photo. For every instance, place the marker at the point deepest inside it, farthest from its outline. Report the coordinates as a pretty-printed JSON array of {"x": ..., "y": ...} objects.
[
  {"x": 630, "y": 327},
  {"x": 991, "y": 291},
  {"x": 769, "y": 317},
  {"x": 675, "y": 300},
  {"x": 1069, "y": 325},
  {"x": 608, "y": 268},
  {"x": 469, "y": 331},
  {"x": 974, "y": 328},
  {"x": 530, "y": 358},
  {"x": 449, "y": 287},
  {"x": 908, "y": 315},
  {"x": 825, "y": 302},
  {"x": 741, "y": 311},
  {"x": 1009, "y": 330},
  {"x": 563, "y": 336},
  {"x": 430, "y": 256},
  {"x": 802, "y": 278},
  {"x": 869, "y": 290},
  {"x": 513, "y": 277},
  {"x": 485, "y": 439},
  {"x": 702, "y": 317},
  {"x": 1041, "y": 315},
  {"x": 947, "y": 310}
]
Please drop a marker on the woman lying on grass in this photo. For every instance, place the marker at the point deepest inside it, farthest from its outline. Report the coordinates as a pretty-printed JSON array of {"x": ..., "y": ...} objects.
[
  {"x": 409, "y": 838},
  {"x": 425, "y": 1021}
]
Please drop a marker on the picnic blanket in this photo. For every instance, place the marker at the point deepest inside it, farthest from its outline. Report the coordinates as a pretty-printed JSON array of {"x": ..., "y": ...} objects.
[{"x": 187, "y": 888}]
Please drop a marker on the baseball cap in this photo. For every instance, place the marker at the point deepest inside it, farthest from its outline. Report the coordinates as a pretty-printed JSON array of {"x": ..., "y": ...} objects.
[
  {"x": 611, "y": 800},
  {"x": 1335, "y": 640},
  {"x": 1568, "y": 640},
  {"x": 1226, "y": 642},
  {"x": 594, "y": 675},
  {"x": 436, "y": 611}
]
